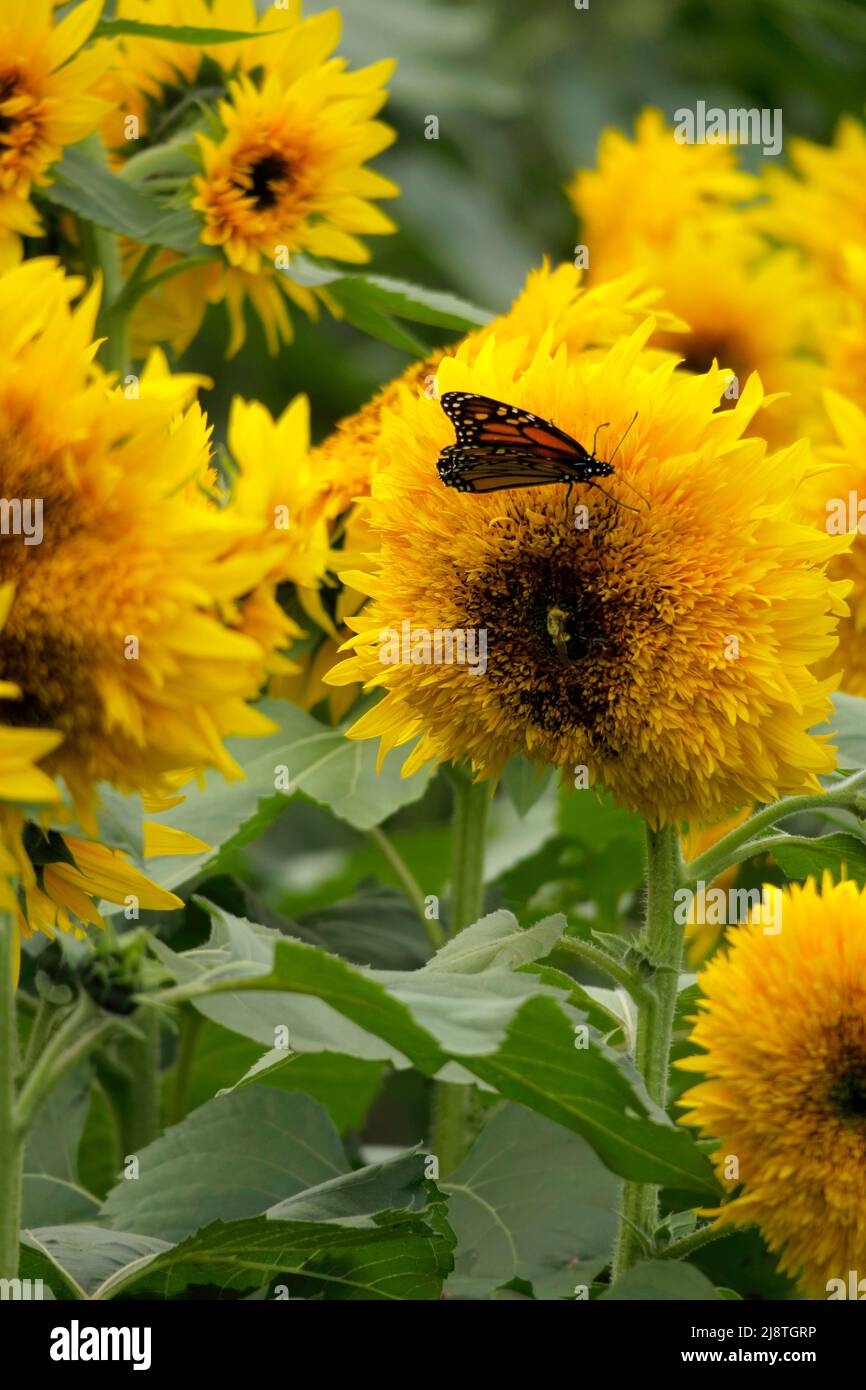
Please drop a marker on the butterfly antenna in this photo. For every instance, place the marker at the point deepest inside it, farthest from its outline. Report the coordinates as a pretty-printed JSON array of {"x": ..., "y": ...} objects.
[
  {"x": 610, "y": 496},
  {"x": 605, "y": 426},
  {"x": 645, "y": 500}
]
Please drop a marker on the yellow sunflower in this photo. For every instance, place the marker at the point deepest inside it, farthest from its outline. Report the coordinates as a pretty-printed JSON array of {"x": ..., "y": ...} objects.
[
  {"x": 665, "y": 650},
  {"x": 284, "y": 172},
  {"x": 147, "y": 76},
  {"x": 277, "y": 489},
  {"x": 62, "y": 894},
  {"x": 644, "y": 190},
  {"x": 118, "y": 632},
  {"x": 820, "y": 207},
  {"x": 676, "y": 211},
  {"x": 288, "y": 173},
  {"x": 554, "y": 300},
  {"x": 47, "y": 101},
  {"x": 783, "y": 1028},
  {"x": 831, "y": 499}
]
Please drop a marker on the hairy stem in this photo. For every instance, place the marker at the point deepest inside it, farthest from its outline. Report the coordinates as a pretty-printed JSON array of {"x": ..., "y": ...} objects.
[
  {"x": 411, "y": 887},
  {"x": 452, "y": 1104},
  {"x": 663, "y": 944},
  {"x": 11, "y": 1136}
]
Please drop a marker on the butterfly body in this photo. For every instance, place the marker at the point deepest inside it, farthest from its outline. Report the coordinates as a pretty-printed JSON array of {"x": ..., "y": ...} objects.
[{"x": 500, "y": 446}]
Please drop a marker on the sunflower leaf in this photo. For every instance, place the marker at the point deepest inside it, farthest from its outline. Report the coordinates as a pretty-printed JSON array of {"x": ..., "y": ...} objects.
[
  {"x": 509, "y": 1029},
  {"x": 87, "y": 188},
  {"x": 175, "y": 33}
]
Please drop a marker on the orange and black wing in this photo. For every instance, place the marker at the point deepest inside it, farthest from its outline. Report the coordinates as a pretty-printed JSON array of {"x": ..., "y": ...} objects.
[{"x": 500, "y": 446}]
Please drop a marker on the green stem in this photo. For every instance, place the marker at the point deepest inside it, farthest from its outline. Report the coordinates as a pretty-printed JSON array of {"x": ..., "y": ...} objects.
[
  {"x": 662, "y": 942},
  {"x": 736, "y": 846},
  {"x": 410, "y": 884},
  {"x": 11, "y": 1137},
  {"x": 140, "y": 1103},
  {"x": 46, "y": 1016},
  {"x": 452, "y": 1103},
  {"x": 468, "y": 829},
  {"x": 679, "y": 1249},
  {"x": 600, "y": 960},
  {"x": 81, "y": 1031},
  {"x": 190, "y": 1027}
]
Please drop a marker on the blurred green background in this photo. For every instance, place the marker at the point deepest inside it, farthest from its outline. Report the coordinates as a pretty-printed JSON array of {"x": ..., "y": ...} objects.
[{"x": 522, "y": 93}]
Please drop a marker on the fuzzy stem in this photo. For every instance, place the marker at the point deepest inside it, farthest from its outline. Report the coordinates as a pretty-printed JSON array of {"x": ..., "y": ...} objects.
[
  {"x": 663, "y": 943},
  {"x": 411, "y": 887},
  {"x": 140, "y": 1101},
  {"x": 452, "y": 1104},
  {"x": 599, "y": 960},
  {"x": 738, "y": 844},
  {"x": 11, "y": 1136},
  {"x": 191, "y": 1022}
]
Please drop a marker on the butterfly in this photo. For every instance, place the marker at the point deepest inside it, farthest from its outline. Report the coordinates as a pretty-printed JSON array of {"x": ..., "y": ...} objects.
[{"x": 500, "y": 446}]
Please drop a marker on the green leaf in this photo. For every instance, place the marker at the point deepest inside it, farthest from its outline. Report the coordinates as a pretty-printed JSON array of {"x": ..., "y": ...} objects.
[
  {"x": 525, "y": 782},
  {"x": 322, "y": 765},
  {"x": 378, "y": 927},
  {"x": 595, "y": 1092},
  {"x": 497, "y": 939},
  {"x": 52, "y": 1193},
  {"x": 844, "y": 855},
  {"x": 663, "y": 1280},
  {"x": 175, "y": 33},
  {"x": 741, "y": 1261},
  {"x": 374, "y": 304},
  {"x": 378, "y": 1233},
  {"x": 345, "y": 1086},
  {"x": 595, "y": 820},
  {"x": 531, "y": 1201},
  {"x": 87, "y": 188},
  {"x": 505, "y": 1027},
  {"x": 234, "y": 1157},
  {"x": 847, "y": 730},
  {"x": 76, "y": 1260}
]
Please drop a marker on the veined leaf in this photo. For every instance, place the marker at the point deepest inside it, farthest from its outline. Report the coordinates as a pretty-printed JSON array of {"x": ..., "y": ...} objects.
[
  {"x": 87, "y": 188},
  {"x": 505, "y": 1027}
]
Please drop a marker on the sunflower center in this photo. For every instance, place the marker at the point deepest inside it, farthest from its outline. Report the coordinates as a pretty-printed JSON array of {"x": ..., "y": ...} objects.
[
  {"x": 57, "y": 691},
  {"x": 8, "y": 83},
  {"x": 848, "y": 1096},
  {"x": 566, "y": 615},
  {"x": 265, "y": 176}
]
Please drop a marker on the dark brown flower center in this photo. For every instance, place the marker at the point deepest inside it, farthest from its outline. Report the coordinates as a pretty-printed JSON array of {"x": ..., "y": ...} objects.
[
  {"x": 848, "y": 1095},
  {"x": 564, "y": 615},
  {"x": 266, "y": 174}
]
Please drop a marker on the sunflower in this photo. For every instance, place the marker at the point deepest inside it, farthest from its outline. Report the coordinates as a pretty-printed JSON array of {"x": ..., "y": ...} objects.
[
  {"x": 52, "y": 881},
  {"x": 783, "y": 1028},
  {"x": 827, "y": 499},
  {"x": 665, "y": 649},
  {"x": 117, "y": 636},
  {"x": 281, "y": 169},
  {"x": 277, "y": 489},
  {"x": 644, "y": 190},
  {"x": 47, "y": 101},
  {"x": 747, "y": 306},
  {"x": 821, "y": 206},
  {"x": 554, "y": 300}
]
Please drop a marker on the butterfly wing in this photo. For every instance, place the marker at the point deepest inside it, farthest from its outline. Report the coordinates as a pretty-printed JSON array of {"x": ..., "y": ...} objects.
[
  {"x": 486, "y": 469},
  {"x": 500, "y": 446},
  {"x": 480, "y": 420}
]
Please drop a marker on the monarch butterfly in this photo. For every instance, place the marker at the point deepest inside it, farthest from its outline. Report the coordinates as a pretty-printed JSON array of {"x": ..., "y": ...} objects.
[{"x": 500, "y": 446}]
